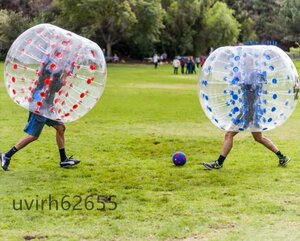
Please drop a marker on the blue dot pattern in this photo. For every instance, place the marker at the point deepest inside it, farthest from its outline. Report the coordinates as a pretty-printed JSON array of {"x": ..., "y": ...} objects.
[{"x": 247, "y": 88}]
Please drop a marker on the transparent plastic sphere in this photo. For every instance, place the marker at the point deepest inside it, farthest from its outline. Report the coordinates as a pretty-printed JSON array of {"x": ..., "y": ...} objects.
[
  {"x": 55, "y": 73},
  {"x": 251, "y": 88}
]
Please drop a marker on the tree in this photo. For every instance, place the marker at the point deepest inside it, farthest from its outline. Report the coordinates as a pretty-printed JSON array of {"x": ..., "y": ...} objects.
[
  {"x": 146, "y": 31},
  {"x": 265, "y": 17},
  {"x": 220, "y": 26},
  {"x": 200, "y": 45},
  {"x": 42, "y": 11},
  {"x": 290, "y": 14},
  {"x": 12, "y": 25},
  {"x": 141, "y": 27},
  {"x": 16, "y": 6},
  {"x": 101, "y": 20},
  {"x": 179, "y": 32},
  {"x": 244, "y": 18}
]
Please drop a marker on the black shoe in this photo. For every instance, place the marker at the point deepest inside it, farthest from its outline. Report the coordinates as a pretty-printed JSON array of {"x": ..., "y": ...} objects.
[
  {"x": 212, "y": 165},
  {"x": 283, "y": 161},
  {"x": 69, "y": 162},
  {"x": 4, "y": 161}
]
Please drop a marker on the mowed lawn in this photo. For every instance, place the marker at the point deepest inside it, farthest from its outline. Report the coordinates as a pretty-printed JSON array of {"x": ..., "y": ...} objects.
[{"x": 125, "y": 144}]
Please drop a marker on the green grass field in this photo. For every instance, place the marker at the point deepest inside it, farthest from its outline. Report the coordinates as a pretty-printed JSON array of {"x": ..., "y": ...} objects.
[{"x": 125, "y": 143}]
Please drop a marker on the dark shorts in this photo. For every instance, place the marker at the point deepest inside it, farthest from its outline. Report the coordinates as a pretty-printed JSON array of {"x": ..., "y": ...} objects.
[{"x": 36, "y": 123}]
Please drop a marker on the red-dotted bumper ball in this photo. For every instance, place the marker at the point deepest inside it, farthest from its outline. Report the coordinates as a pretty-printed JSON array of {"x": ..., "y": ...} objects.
[{"x": 55, "y": 73}]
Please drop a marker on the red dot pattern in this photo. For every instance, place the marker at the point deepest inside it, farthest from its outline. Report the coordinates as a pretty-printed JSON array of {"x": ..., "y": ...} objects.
[
  {"x": 47, "y": 81},
  {"x": 43, "y": 94},
  {"x": 93, "y": 67},
  {"x": 80, "y": 88}
]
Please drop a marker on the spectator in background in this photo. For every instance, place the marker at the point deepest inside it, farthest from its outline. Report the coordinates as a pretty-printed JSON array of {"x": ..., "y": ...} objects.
[
  {"x": 176, "y": 64},
  {"x": 198, "y": 61},
  {"x": 116, "y": 58},
  {"x": 161, "y": 58},
  {"x": 155, "y": 60},
  {"x": 182, "y": 65},
  {"x": 193, "y": 66},
  {"x": 189, "y": 66},
  {"x": 164, "y": 57},
  {"x": 202, "y": 60}
]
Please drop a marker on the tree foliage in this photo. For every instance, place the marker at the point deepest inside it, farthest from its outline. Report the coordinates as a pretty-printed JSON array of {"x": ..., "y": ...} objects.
[
  {"x": 12, "y": 24},
  {"x": 140, "y": 28},
  {"x": 243, "y": 16},
  {"x": 101, "y": 20},
  {"x": 220, "y": 26},
  {"x": 290, "y": 14},
  {"x": 264, "y": 14},
  {"x": 179, "y": 32},
  {"x": 43, "y": 11},
  {"x": 150, "y": 22}
]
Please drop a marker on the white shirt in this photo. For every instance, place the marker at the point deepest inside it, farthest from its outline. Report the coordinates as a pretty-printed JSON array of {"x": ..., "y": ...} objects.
[{"x": 176, "y": 63}]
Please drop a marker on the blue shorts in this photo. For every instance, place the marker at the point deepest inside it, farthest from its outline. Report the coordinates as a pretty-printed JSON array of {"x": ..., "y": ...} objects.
[{"x": 36, "y": 123}]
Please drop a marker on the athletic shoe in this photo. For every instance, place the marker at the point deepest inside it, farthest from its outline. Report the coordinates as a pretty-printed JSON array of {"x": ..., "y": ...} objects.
[
  {"x": 212, "y": 165},
  {"x": 69, "y": 162},
  {"x": 283, "y": 161},
  {"x": 4, "y": 161}
]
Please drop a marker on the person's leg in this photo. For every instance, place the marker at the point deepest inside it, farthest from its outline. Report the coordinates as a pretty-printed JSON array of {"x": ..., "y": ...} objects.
[
  {"x": 228, "y": 143},
  {"x": 60, "y": 141},
  {"x": 24, "y": 141},
  {"x": 258, "y": 136},
  {"x": 33, "y": 129},
  {"x": 5, "y": 157},
  {"x": 226, "y": 148},
  {"x": 60, "y": 135}
]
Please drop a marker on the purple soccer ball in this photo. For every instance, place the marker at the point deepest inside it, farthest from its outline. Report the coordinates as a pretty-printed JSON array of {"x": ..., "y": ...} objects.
[{"x": 179, "y": 158}]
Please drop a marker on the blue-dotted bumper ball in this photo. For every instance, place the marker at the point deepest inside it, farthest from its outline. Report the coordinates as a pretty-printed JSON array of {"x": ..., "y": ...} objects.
[
  {"x": 179, "y": 158},
  {"x": 248, "y": 87}
]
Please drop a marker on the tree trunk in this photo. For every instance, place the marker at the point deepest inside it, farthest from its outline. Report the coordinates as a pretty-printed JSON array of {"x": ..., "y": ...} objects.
[{"x": 108, "y": 50}]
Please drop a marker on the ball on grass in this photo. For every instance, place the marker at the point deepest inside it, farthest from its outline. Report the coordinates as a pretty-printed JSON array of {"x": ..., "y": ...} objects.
[{"x": 179, "y": 158}]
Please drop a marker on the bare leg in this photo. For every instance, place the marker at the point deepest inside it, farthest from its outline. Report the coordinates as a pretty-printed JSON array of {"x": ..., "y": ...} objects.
[
  {"x": 228, "y": 142},
  {"x": 60, "y": 136},
  {"x": 24, "y": 141},
  {"x": 264, "y": 141},
  {"x": 5, "y": 157},
  {"x": 227, "y": 145},
  {"x": 60, "y": 140}
]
